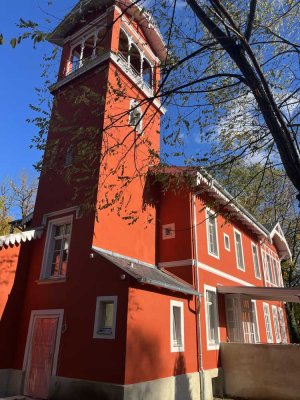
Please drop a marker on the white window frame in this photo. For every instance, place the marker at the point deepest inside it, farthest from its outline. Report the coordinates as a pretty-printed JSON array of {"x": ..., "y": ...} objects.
[
  {"x": 47, "y": 257},
  {"x": 282, "y": 325},
  {"x": 241, "y": 268},
  {"x": 268, "y": 323},
  {"x": 255, "y": 321},
  {"x": 216, "y": 344},
  {"x": 226, "y": 237},
  {"x": 276, "y": 324},
  {"x": 179, "y": 304},
  {"x": 257, "y": 276},
  {"x": 98, "y": 317},
  {"x": 210, "y": 213},
  {"x": 133, "y": 106}
]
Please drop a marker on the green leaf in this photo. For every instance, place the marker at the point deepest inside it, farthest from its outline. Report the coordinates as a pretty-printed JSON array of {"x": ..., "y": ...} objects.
[{"x": 13, "y": 42}]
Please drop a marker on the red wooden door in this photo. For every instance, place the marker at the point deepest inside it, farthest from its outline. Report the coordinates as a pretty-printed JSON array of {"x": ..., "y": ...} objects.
[{"x": 40, "y": 357}]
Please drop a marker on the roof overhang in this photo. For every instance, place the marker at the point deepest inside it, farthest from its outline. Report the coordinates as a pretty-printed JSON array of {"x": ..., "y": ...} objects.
[
  {"x": 290, "y": 295},
  {"x": 146, "y": 273},
  {"x": 144, "y": 19},
  {"x": 17, "y": 238}
]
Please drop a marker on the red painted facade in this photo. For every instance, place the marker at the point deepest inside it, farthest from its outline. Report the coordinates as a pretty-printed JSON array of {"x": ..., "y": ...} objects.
[{"x": 141, "y": 349}]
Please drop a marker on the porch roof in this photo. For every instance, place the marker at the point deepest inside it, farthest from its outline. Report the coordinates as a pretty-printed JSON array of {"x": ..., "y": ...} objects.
[
  {"x": 291, "y": 295},
  {"x": 146, "y": 273}
]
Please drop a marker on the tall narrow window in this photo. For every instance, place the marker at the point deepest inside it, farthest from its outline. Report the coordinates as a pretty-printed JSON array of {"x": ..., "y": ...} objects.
[
  {"x": 268, "y": 323},
  {"x": 255, "y": 261},
  {"x": 212, "y": 234},
  {"x": 239, "y": 250},
  {"x": 226, "y": 242},
  {"x": 276, "y": 277},
  {"x": 212, "y": 320},
  {"x": 105, "y": 317},
  {"x": 269, "y": 268},
  {"x": 276, "y": 324},
  {"x": 282, "y": 325},
  {"x": 177, "y": 326},
  {"x": 135, "y": 116},
  {"x": 57, "y": 248},
  {"x": 255, "y": 321}
]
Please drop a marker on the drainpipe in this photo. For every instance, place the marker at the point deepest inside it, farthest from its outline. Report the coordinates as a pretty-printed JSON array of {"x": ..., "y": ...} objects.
[{"x": 198, "y": 298}]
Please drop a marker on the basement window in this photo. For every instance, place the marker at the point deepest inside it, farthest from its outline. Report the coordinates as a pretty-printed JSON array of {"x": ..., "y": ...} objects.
[
  {"x": 105, "y": 317},
  {"x": 177, "y": 326}
]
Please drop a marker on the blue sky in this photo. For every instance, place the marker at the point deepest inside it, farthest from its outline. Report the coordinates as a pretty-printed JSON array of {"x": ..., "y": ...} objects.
[{"x": 20, "y": 72}]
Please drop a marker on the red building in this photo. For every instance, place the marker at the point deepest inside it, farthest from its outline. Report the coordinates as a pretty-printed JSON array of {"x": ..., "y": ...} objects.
[{"x": 99, "y": 307}]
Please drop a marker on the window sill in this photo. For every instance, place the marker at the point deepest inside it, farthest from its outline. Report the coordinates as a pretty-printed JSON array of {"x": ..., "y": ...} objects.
[{"x": 49, "y": 281}]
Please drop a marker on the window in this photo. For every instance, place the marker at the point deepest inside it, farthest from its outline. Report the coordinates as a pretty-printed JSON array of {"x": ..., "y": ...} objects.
[
  {"x": 282, "y": 325},
  {"x": 255, "y": 261},
  {"x": 212, "y": 235},
  {"x": 135, "y": 116},
  {"x": 269, "y": 268},
  {"x": 268, "y": 323},
  {"x": 57, "y": 248},
  {"x": 255, "y": 321},
  {"x": 226, "y": 242},
  {"x": 177, "y": 326},
  {"x": 105, "y": 317},
  {"x": 239, "y": 250},
  {"x": 212, "y": 319},
  {"x": 168, "y": 231},
  {"x": 276, "y": 277},
  {"x": 276, "y": 324}
]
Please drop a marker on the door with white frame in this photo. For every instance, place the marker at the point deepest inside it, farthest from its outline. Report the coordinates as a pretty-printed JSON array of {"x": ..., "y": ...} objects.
[{"x": 41, "y": 353}]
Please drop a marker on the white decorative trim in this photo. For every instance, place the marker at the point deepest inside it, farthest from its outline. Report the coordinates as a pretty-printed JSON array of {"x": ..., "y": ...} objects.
[
  {"x": 223, "y": 274},
  {"x": 267, "y": 315},
  {"x": 98, "y": 315},
  {"x": 215, "y": 346},
  {"x": 17, "y": 238},
  {"x": 175, "y": 303},
  {"x": 179, "y": 263},
  {"x": 60, "y": 212},
  {"x": 40, "y": 314}
]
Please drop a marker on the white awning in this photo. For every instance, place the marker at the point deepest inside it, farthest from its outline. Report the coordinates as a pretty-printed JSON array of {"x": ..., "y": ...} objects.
[
  {"x": 17, "y": 238},
  {"x": 291, "y": 295}
]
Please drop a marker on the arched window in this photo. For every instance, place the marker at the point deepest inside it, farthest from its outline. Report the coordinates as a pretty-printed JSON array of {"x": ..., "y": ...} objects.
[
  {"x": 147, "y": 73},
  {"x": 135, "y": 59},
  {"x": 123, "y": 45},
  {"x": 135, "y": 115},
  {"x": 69, "y": 156}
]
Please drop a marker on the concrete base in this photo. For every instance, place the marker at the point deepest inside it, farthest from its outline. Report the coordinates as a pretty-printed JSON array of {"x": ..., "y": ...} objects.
[
  {"x": 261, "y": 371},
  {"x": 11, "y": 381},
  {"x": 185, "y": 387},
  {"x": 180, "y": 387},
  {"x": 213, "y": 383}
]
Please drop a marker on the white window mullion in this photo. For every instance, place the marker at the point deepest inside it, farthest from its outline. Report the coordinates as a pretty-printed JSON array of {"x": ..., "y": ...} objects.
[{"x": 268, "y": 323}]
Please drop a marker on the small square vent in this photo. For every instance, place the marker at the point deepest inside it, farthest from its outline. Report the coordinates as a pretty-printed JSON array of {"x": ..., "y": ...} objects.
[{"x": 168, "y": 231}]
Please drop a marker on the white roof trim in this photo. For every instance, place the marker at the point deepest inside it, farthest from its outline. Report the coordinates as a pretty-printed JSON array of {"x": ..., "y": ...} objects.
[
  {"x": 280, "y": 235},
  {"x": 17, "y": 238}
]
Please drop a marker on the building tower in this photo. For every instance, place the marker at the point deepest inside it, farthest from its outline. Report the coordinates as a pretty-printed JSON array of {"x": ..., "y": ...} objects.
[{"x": 104, "y": 130}]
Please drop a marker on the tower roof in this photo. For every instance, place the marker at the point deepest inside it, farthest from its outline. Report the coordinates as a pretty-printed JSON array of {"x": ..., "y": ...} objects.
[{"x": 84, "y": 7}]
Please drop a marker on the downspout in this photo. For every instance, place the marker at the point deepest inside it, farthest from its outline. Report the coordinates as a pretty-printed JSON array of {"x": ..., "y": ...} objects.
[{"x": 198, "y": 297}]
